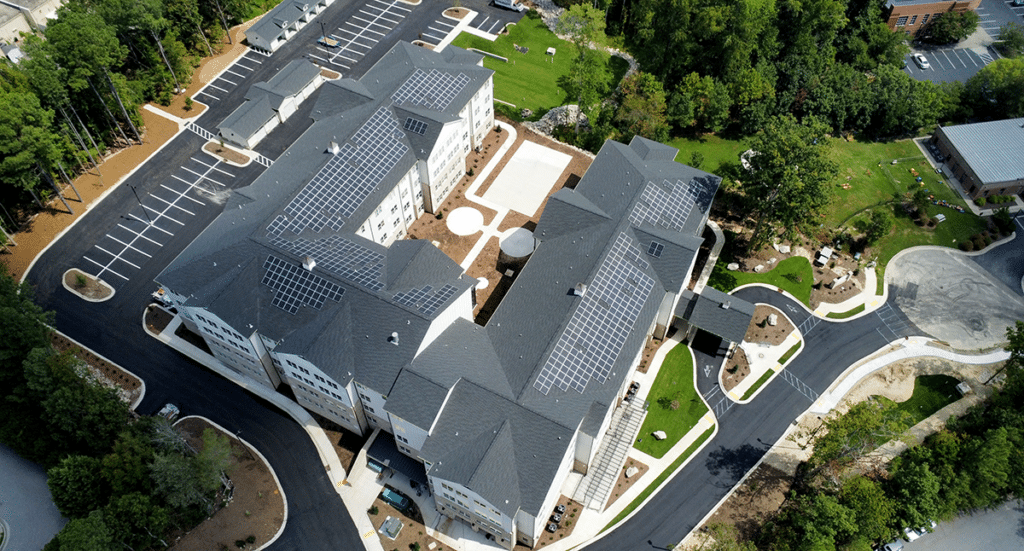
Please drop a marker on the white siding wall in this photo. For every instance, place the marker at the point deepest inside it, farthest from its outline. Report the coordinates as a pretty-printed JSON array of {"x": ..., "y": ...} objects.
[
  {"x": 229, "y": 346},
  {"x": 318, "y": 392},
  {"x": 408, "y": 437},
  {"x": 456, "y": 501},
  {"x": 391, "y": 219},
  {"x": 373, "y": 407},
  {"x": 535, "y": 526}
]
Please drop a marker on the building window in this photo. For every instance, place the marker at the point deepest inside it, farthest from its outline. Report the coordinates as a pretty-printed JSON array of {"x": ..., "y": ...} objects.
[
  {"x": 395, "y": 207},
  {"x": 381, "y": 225},
  {"x": 924, "y": 19},
  {"x": 913, "y": 20},
  {"x": 902, "y": 21}
]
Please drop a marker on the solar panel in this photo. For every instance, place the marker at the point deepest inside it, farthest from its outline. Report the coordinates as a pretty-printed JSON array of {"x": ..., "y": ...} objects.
[
  {"x": 416, "y": 126},
  {"x": 348, "y": 178},
  {"x": 594, "y": 337},
  {"x": 295, "y": 286},
  {"x": 655, "y": 249},
  {"x": 426, "y": 299},
  {"x": 342, "y": 257},
  {"x": 434, "y": 90},
  {"x": 668, "y": 205}
]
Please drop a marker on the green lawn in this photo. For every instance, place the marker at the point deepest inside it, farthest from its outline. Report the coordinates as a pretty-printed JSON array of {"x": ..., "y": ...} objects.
[
  {"x": 674, "y": 386},
  {"x": 534, "y": 80},
  {"x": 661, "y": 478},
  {"x": 931, "y": 393},
  {"x": 793, "y": 274},
  {"x": 716, "y": 151}
]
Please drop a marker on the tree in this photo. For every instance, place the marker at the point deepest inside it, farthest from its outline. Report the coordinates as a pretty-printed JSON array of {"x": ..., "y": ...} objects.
[
  {"x": 23, "y": 324},
  {"x": 1011, "y": 40},
  {"x": 642, "y": 108},
  {"x": 903, "y": 105},
  {"x": 849, "y": 437},
  {"x": 994, "y": 91},
  {"x": 916, "y": 493},
  {"x": 702, "y": 103},
  {"x": 86, "y": 534},
  {"x": 986, "y": 463},
  {"x": 583, "y": 24},
  {"x": 879, "y": 226},
  {"x": 77, "y": 486},
  {"x": 790, "y": 177},
  {"x": 872, "y": 509},
  {"x": 186, "y": 480},
  {"x": 85, "y": 418},
  {"x": 126, "y": 467},
  {"x": 950, "y": 27},
  {"x": 135, "y": 521},
  {"x": 26, "y": 139}
]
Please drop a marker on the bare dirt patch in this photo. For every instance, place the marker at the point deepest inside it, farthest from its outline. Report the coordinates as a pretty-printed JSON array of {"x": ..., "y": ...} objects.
[
  {"x": 456, "y": 13},
  {"x": 486, "y": 266},
  {"x": 86, "y": 285},
  {"x": 623, "y": 483},
  {"x": 824, "y": 292},
  {"x": 329, "y": 74},
  {"x": 759, "y": 331},
  {"x": 755, "y": 501},
  {"x": 737, "y": 368},
  {"x": 256, "y": 507},
  {"x": 345, "y": 443},
  {"x": 225, "y": 153},
  {"x": 157, "y": 319}
]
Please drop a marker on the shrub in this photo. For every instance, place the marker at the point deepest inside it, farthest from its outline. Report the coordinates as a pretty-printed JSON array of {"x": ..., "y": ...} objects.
[
  {"x": 980, "y": 201},
  {"x": 80, "y": 280},
  {"x": 674, "y": 405},
  {"x": 240, "y": 543},
  {"x": 966, "y": 246},
  {"x": 471, "y": 172},
  {"x": 988, "y": 240},
  {"x": 188, "y": 103},
  {"x": 979, "y": 242},
  {"x": 251, "y": 539},
  {"x": 373, "y": 510}
]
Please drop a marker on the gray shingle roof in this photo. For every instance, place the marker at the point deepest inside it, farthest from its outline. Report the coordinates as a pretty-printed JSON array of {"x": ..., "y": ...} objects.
[
  {"x": 706, "y": 311},
  {"x": 264, "y": 98},
  {"x": 248, "y": 118},
  {"x": 416, "y": 399},
  {"x": 993, "y": 149}
]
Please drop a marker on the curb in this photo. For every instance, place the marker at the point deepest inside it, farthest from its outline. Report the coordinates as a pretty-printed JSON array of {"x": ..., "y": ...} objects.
[
  {"x": 250, "y": 448},
  {"x": 64, "y": 282},
  {"x": 803, "y": 344},
  {"x": 142, "y": 391}
]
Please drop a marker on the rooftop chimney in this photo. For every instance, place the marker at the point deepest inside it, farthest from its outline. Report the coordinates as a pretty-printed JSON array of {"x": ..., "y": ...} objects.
[
  {"x": 309, "y": 263},
  {"x": 393, "y": 339}
]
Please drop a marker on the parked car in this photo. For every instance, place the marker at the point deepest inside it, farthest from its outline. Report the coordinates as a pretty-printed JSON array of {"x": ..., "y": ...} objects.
[
  {"x": 514, "y": 5},
  {"x": 170, "y": 412},
  {"x": 922, "y": 61},
  {"x": 395, "y": 499},
  {"x": 893, "y": 546}
]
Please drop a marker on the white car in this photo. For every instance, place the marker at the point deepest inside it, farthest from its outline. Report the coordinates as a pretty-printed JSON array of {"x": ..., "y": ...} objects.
[
  {"x": 912, "y": 534},
  {"x": 922, "y": 61},
  {"x": 893, "y": 546}
]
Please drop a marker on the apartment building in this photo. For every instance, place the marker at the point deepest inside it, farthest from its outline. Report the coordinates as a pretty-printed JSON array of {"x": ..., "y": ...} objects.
[
  {"x": 910, "y": 16},
  {"x": 304, "y": 280}
]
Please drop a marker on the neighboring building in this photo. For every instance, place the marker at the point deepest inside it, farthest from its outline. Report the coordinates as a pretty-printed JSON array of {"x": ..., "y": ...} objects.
[
  {"x": 985, "y": 157},
  {"x": 268, "y": 104},
  {"x": 911, "y": 16},
  {"x": 723, "y": 315},
  {"x": 12, "y": 53},
  {"x": 303, "y": 281},
  {"x": 25, "y": 16},
  {"x": 281, "y": 23}
]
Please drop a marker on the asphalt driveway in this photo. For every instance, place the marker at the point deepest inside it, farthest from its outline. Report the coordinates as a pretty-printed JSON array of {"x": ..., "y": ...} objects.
[{"x": 25, "y": 505}]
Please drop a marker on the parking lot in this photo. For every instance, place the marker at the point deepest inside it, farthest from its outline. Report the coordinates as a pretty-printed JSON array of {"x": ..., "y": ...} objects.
[
  {"x": 143, "y": 230},
  {"x": 994, "y": 14},
  {"x": 231, "y": 78},
  {"x": 949, "y": 64},
  {"x": 360, "y": 33}
]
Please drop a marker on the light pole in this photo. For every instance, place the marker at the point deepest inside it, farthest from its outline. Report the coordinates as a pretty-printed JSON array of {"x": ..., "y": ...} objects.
[{"x": 238, "y": 436}]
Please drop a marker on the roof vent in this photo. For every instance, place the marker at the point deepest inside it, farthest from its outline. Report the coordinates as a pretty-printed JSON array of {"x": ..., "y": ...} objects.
[
  {"x": 726, "y": 305},
  {"x": 334, "y": 148},
  {"x": 393, "y": 339},
  {"x": 580, "y": 289},
  {"x": 309, "y": 263}
]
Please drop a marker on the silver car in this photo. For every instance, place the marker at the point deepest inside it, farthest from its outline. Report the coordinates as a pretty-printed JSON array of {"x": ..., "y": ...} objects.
[{"x": 922, "y": 61}]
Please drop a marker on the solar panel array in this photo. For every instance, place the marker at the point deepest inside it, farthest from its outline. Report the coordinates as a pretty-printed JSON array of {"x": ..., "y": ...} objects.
[
  {"x": 348, "y": 178},
  {"x": 416, "y": 126},
  {"x": 427, "y": 300},
  {"x": 655, "y": 249},
  {"x": 594, "y": 337},
  {"x": 434, "y": 90},
  {"x": 295, "y": 286},
  {"x": 668, "y": 205},
  {"x": 343, "y": 258}
]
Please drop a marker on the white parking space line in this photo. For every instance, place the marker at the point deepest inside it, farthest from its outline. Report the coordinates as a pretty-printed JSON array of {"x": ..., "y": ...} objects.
[
  {"x": 496, "y": 23},
  {"x": 484, "y": 22},
  {"x": 213, "y": 167},
  {"x": 381, "y": 16},
  {"x": 133, "y": 232},
  {"x": 160, "y": 215},
  {"x": 208, "y": 94},
  {"x": 212, "y": 85},
  {"x": 389, "y": 6},
  {"x": 194, "y": 200},
  {"x": 367, "y": 27},
  {"x": 117, "y": 257},
  {"x": 947, "y": 57},
  {"x": 129, "y": 246},
  {"x": 359, "y": 36},
  {"x": 170, "y": 204},
  {"x": 442, "y": 31},
  {"x": 339, "y": 54},
  {"x": 203, "y": 176},
  {"x": 432, "y": 37},
  {"x": 240, "y": 75},
  {"x": 226, "y": 80},
  {"x": 106, "y": 268},
  {"x": 239, "y": 65}
]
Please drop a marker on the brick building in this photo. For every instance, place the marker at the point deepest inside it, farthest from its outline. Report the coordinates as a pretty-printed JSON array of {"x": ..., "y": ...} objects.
[{"x": 911, "y": 16}]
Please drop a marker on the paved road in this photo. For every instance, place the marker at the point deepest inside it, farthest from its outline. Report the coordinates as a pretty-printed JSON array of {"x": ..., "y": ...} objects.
[
  {"x": 1006, "y": 262},
  {"x": 25, "y": 504},
  {"x": 1001, "y": 528},
  {"x": 994, "y": 14}
]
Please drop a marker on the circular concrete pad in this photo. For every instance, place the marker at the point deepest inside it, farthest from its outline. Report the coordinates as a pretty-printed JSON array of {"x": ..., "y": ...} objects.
[
  {"x": 517, "y": 242},
  {"x": 949, "y": 296},
  {"x": 482, "y": 283},
  {"x": 465, "y": 221}
]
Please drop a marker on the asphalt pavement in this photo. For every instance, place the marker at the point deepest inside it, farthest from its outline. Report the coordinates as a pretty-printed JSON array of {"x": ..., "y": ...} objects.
[
  {"x": 29, "y": 516},
  {"x": 949, "y": 64},
  {"x": 1006, "y": 262},
  {"x": 1001, "y": 528}
]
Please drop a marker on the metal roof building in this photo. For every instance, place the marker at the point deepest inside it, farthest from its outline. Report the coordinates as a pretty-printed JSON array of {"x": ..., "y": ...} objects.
[{"x": 984, "y": 157}]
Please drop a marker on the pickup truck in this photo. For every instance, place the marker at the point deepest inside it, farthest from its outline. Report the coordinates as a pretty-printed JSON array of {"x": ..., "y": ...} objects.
[{"x": 328, "y": 42}]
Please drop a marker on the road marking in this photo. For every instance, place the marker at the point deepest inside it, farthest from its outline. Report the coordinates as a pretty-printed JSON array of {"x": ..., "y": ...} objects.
[
  {"x": 104, "y": 269},
  {"x": 234, "y": 73},
  {"x": 799, "y": 385},
  {"x": 213, "y": 167},
  {"x": 118, "y": 257},
  {"x": 707, "y": 370},
  {"x": 170, "y": 204},
  {"x": 212, "y": 85},
  {"x": 393, "y": 22},
  {"x": 208, "y": 94},
  {"x": 203, "y": 176},
  {"x": 367, "y": 27},
  {"x": 227, "y": 80},
  {"x": 129, "y": 246},
  {"x": 133, "y": 232},
  {"x": 153, "y": 225},
  {"x": 496, "y": 23},
  {"x": 193, "y": 199}
]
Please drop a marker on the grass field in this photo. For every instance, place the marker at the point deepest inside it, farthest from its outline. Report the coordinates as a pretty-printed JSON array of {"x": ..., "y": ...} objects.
[
  {"x": 661, "y": 478},
  {"x": 715, "y": 150},
  {"x": 793, "y": 274},
  {"x": 931, "y": 393},
  {"x": 535, "y": 80},
  {"x": 673, "y": 387}
]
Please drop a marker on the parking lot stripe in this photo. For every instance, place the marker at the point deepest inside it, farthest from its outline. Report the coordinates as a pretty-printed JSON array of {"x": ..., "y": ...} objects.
[
  {"x": 213, "y": 167},
  {"x": 105, "y": 269},
  {"x": 163, "y": 214},
  {"x": 170, "y": 204},
  {"x": 381, "y": 15},
  {"x": 194, "y": 200},
  {"x": 367, "y": 27},
  {"x": 133, "y": 232},
  {"x": 241, "y": 66},
  {"x": 234, "y": 73},
  {"x": 118, "y": 257},
  {"x": 212, "y": 85},
  {"x": 339, "y": 54},
  {"x": 358, "y": 35},
  {"x": 225, "y": 80},
  {"x": 496, "y": 23},
  {"x": 129, "y": 246},
  {"x": 484, "y": 22},
  {"x": 442, "y": 31},
  {"x": 208, "y": 94},
  {"x": 947, "y": 56},
  {"x": 438, "y": 39},
  {"x": 390, "y": 6},
  {"x": 203, "y": 176},
  {"x": 153, "y": 225}
]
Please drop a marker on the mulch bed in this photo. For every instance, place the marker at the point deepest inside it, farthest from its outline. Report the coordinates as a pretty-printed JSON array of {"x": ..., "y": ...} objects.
[
  {"x": 92, "y": 288},
  {"x": 157, "y": 319},
  {"x": 108, "y": 373},
  {"x": 754, "y": 501},
  {"x": 412, "y": 532},
  {"x": 256, "y": 508},
  {"x": 225, "y": 153},
  {"x": 345, "y": 443},
  {"x": 623, "y": 484},
  {"x": 565, "y": 528},
  {"x": 736, "y": 369}
]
